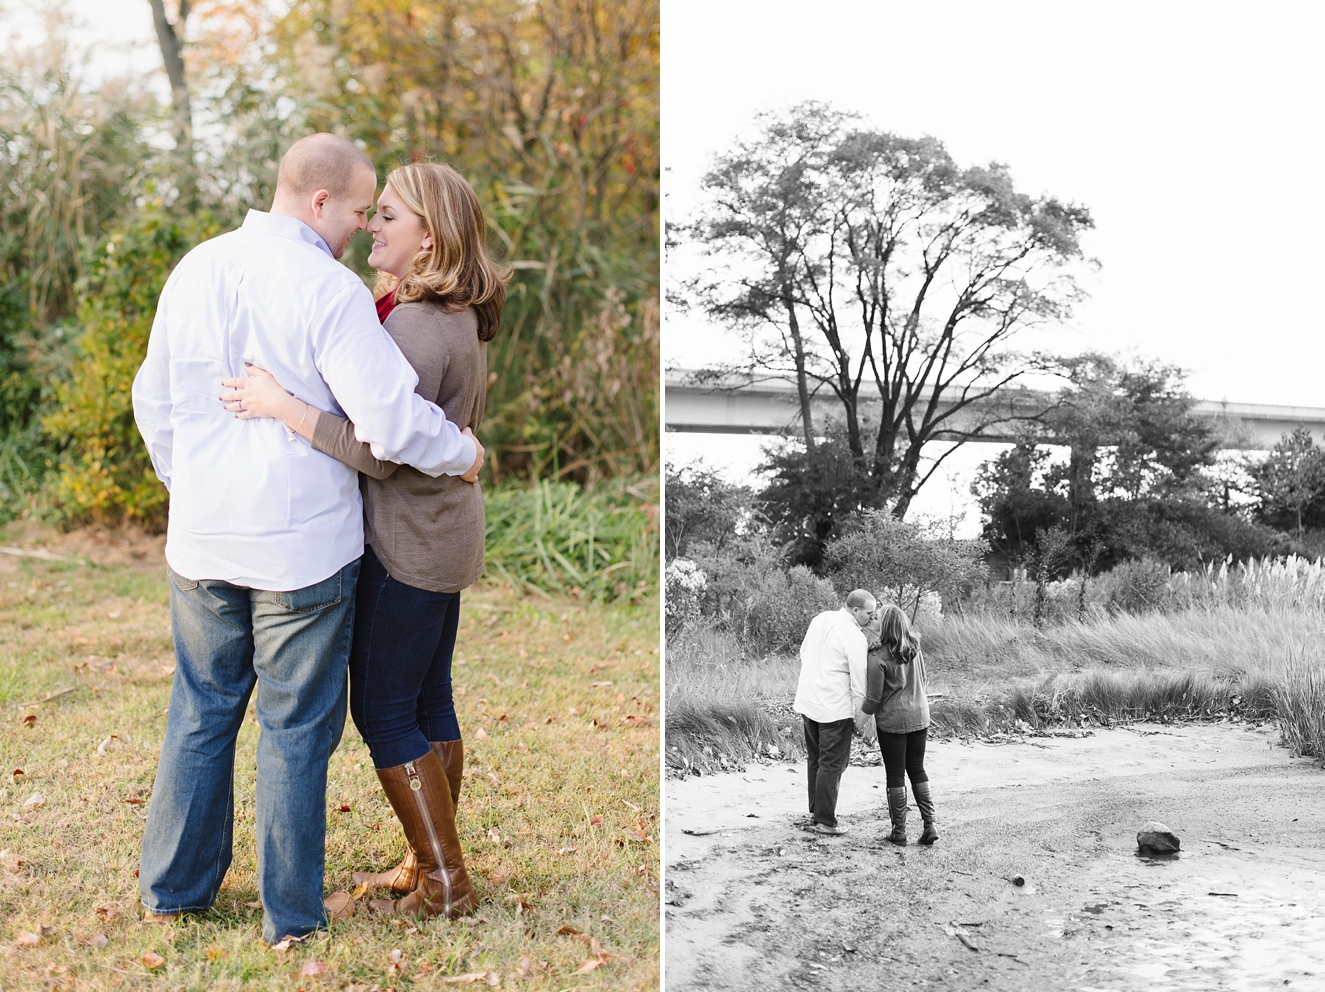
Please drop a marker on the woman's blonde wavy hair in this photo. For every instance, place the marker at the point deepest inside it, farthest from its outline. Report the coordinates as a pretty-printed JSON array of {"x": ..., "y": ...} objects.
[
  {"x": 458, "y": 271},
  {"x": 896, "y": 634}
]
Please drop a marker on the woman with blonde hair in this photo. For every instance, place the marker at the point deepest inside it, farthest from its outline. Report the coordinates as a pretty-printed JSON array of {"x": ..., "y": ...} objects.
[
  {"x": 424, "y": 536},
  {"x": 895, "y": 694}
]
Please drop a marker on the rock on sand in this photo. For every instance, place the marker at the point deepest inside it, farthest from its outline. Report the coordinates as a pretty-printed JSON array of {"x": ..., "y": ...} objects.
[{"x": 1156, "y": 837}]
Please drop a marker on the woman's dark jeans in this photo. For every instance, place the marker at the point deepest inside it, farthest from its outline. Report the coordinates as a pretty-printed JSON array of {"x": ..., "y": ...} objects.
[
  {"x": 400, "y": 666},
  {"x": 904, "y": 753}
]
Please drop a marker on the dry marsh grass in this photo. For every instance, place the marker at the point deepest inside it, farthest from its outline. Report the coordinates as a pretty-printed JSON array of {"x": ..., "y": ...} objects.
[
  {"x": 559, "y": 813},
  {"x": 990, "y": 675}
]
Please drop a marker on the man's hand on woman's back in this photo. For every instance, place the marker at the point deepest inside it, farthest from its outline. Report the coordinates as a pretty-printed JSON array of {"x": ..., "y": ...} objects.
[{"x": 472, "y": 474}]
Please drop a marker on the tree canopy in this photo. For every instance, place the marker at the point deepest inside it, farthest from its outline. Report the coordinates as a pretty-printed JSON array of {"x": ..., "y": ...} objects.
[{"x": 873, "y": 266}]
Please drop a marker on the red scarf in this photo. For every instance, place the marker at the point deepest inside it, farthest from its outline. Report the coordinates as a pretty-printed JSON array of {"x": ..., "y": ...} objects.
[{"x": 385, "y": 305}]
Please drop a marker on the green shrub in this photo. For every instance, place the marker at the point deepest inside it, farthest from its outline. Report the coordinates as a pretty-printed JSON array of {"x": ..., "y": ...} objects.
[
  {"x": 104, "y": 471},
  {"x": 876, "y": 551},
  {"x": 780, "y": 606}
]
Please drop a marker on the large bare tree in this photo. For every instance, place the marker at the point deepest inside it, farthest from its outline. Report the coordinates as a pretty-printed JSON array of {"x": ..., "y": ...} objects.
[
  {"x": 882, "y": 268},
  {"x": 170, "y": 37}
]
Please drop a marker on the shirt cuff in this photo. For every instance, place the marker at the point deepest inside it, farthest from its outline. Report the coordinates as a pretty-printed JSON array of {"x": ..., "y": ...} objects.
[{"x": 473, "y": 447}]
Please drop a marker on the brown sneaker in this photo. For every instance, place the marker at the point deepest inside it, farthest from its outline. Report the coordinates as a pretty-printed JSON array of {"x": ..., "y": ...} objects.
[{"x": 340, "y": 905}]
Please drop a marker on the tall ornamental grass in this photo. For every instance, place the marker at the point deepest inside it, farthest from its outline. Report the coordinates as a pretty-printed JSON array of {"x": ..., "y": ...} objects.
[
  {"x": 1299, "y": 698},
  {"x": 556, "y": 537}
]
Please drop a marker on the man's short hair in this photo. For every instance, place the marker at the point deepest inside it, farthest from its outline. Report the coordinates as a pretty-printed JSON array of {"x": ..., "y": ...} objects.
[
  {"x": 321, "y": 161},
  {"x": 859, "y": 599}
]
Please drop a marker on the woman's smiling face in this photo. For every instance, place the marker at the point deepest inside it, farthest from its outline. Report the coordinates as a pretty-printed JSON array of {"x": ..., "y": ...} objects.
[{"x": 398, "y": 234}]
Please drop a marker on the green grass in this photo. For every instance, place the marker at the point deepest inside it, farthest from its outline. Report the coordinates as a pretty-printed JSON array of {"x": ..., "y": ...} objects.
[
  {"x": 556, "y": 537},
  {"x": 989, "y": 675},
  {"x": 565, "y": 773}
]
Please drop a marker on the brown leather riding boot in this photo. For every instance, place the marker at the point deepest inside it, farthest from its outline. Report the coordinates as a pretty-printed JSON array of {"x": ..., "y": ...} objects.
[
  {"x": 404, "y": 876},
  {"x": 420, "y": 793}
]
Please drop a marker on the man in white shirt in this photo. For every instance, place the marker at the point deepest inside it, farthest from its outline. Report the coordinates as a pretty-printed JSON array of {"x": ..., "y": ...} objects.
[
  {"x": 265, "y": 533},
  {"x": 828, "y": 698}
]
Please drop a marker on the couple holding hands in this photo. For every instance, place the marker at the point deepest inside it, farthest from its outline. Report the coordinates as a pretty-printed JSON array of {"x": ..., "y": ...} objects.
[
  {"x": 862, "y": 670},
  {"x": 325, "y": 515}
]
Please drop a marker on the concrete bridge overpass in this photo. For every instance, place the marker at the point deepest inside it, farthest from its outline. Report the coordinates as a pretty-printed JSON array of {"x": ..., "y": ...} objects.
[{"x": 746, "y": 405}]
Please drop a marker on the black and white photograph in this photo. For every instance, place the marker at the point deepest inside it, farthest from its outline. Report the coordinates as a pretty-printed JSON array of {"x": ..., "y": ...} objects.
[{"x": 994, "y": 497}]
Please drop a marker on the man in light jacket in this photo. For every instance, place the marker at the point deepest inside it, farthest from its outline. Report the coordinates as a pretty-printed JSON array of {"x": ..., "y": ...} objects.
[
  {"x": 265, "y": 533},
  {"x": 829, "y": 697}
]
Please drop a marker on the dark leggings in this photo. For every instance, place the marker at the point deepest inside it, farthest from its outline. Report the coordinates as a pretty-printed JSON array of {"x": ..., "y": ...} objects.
[
  {"x": 400, "y": 665},
  {"x": 904, "y": 753}
]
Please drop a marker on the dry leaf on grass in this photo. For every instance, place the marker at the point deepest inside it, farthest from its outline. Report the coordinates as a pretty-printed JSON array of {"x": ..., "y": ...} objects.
[
  {"x": 490, "y": 977},
  {"x": 596, "y": 820},
  {"x": 105, "y": 745},
  {"x": 312, "y": 969},
  {"x": 13, "y": 776},
  {"x": 36, "y": 801},
  {"x": 99, "y": 940},
  {"x": 589, "y": 965},
  {"x": 27, "y": 940},
  {"x": 566, "y": 850},
  {"x": 601, "y": 685},
  {"x": 153, "y": 960},
  {"x": 285, "y": 943},
  {"x": 482, "y": 734},
  {"x": 30, "y": 720},
  {"x": 494, "y": 835},
  {"x": 525, "y": 968},
  {"x": 109, "y": 910},
  {"x": 253, "y": 905},
  {"x": 361, "y": 890},
  {"x": 215, "y": 952},
  {"x": 566, "y": 930}
]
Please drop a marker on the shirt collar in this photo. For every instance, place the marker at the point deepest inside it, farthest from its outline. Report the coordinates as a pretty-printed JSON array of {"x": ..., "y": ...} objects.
[{"x": 285, "y": 227}]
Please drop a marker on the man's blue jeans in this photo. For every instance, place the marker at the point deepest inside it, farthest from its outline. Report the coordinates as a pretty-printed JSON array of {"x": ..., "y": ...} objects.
[{"x": 294, "y": 647}]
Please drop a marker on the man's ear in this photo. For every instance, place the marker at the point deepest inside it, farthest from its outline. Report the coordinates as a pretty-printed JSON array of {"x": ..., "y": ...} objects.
[{"x": 319, "y": 201}]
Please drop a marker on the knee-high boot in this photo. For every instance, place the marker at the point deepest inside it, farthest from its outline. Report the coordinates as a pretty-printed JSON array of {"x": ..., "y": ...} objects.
[
  {"x": 897, "y": 813},
  {"x": 926, "y": 806},
  {"x": 404, "y": 876},
  {"x": 420, "y": 793}
]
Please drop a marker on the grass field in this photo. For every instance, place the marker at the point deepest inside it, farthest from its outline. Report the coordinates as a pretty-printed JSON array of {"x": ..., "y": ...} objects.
[
  {"x": 559, "y": 814},
  {"x": 988, "y": 675}
]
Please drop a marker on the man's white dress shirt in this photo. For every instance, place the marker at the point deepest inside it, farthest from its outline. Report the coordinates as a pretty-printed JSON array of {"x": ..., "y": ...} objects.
[
  {"x": 247, "y": 505},
  {"x": 832, "y": 681}
]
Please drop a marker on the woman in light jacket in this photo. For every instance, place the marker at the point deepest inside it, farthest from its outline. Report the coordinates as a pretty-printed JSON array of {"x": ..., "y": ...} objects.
[
  {"x": 895, "y": 694},
  {"x": 424, "y": 535}
]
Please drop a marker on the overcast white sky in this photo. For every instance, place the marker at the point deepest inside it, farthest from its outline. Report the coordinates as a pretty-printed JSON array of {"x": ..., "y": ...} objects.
[{"x": 1191, "y": 131}]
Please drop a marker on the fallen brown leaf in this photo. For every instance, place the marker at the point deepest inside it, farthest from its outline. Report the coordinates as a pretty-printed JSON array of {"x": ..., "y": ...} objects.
[
  {"x": 99, "y": 940},
  {"x": 494, "y": 835},
  {"x": 215, "y": 952},
  {"x": 27, "y": 940},
  {"x": 566, "y": 930},
  {"x": 153, "y": 960},
  {"x": 525, "y": 968},
  {"x": 601, "y": 685},
  {"x": 596, "y": 820},
  {"x": 312, "y": 969},
  {"x": 482, "y": 734},
  {"x": 589, "y": 965},
  {"x": 30, "y": 720},
  {"x": 35, "y": 801},
  {"x": 134, "y": 801},
  {"x": 283, "y": 944},
  {"x": 104, "y": 746},
  {"x": 253, "y": 905},
  {"x": 109, "y": 910}
]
